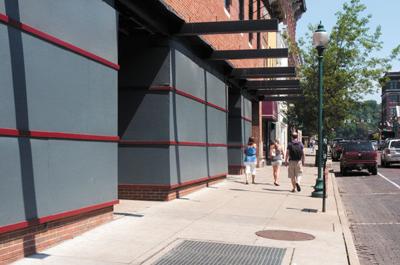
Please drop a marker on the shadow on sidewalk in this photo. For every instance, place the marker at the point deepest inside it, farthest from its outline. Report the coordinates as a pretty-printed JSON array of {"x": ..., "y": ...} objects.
[{"x": 276, "y": 192}]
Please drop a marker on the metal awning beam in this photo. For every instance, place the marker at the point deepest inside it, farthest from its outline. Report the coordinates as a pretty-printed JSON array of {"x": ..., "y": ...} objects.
[
  {"x": 279, "y": 91},
  {"x": 249, "y": 54},
  {"x": 228, "y": 27},
  {"x": 263, "y": 72},
  {"x": 257, "y": 84},
  {"x": 283, "y": 98}
]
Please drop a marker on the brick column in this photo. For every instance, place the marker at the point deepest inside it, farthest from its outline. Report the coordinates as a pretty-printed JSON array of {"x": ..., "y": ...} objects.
[{"x": 257, "y": 132}]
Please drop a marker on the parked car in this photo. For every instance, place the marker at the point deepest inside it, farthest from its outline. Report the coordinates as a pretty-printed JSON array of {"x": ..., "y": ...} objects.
[
  {"x": 359, "y": 155},
  {"x": 390, "y": 152},
  {"x": 336, "y": 150}
]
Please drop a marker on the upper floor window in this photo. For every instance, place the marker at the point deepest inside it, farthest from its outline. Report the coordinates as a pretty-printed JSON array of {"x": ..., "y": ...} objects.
[
  {"x": 393, "y": 98},
  {"x": 228, "y": 4}
]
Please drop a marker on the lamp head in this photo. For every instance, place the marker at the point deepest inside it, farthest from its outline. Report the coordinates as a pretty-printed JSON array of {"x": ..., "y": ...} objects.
[{"x": 320, "y": 37}]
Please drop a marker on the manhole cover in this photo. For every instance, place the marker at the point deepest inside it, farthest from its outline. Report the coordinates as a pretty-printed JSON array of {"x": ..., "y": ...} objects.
[
  {"x": 285, "y": 235},
  {"x": 191, "y": 252}
]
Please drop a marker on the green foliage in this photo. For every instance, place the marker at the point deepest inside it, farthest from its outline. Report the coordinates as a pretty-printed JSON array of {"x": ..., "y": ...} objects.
[
  {"x": 351, "y": 70},
  {"x": 362, "y": 122}
]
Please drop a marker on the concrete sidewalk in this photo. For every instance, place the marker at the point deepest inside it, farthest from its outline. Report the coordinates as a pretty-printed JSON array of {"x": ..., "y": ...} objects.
[{"x": 229, "y": 212}]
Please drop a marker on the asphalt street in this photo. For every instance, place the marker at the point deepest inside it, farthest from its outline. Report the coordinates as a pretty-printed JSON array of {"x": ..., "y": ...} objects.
[{"x": 372, "y": 204}]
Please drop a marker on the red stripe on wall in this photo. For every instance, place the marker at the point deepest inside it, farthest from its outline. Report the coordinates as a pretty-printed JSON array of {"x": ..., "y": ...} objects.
[
  {"x": 127, "y": 142},
  {"x": 186, "y": 95},
  {"x": 217, "y": 145},
  {"x": 204, "y": 144},
  {"x": 174, "y": 186},
  {"x": 41, "y": 220},
  {"x": 247, "y": 119},
  {"x": 49, "y": 38},
  {"x": 57, "y": 135},
  {"x": 237, "y": 166}
]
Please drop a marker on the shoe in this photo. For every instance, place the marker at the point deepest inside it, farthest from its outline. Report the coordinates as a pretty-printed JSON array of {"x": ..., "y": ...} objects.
[
  {"x": 298, "y": 187},
  {"x": 276, "y": 184},
  {"x": 293, "y": 190},
  {"x": 247, "y": 183}
]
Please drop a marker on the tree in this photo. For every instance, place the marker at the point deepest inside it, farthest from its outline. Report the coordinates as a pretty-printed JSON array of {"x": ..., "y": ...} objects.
[
  {"x": 362, "y": 122},
  {"x": 351, "y": 69}
]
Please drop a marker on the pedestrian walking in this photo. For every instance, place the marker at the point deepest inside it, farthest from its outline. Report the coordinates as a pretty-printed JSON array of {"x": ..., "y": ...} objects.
[
  {"x": 295, "y": 155},
  {"x": 312, "y": 146},
  {"x": 276, "y": 156},
  {"x": 250, "y": 160}
]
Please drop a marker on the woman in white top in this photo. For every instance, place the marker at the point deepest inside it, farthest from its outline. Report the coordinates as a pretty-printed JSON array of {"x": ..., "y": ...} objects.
[{"x": 276, "y": 155}]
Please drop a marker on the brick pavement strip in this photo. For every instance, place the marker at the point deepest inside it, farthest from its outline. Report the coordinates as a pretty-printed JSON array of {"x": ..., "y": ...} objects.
[{"x": 347, "y": 235}]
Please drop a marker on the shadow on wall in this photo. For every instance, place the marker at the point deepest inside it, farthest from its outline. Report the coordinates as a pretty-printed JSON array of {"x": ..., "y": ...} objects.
[{"x": 22, "y": 123}]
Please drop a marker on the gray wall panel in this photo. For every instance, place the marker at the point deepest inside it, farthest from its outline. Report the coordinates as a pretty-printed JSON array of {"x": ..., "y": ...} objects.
[
  {"x": 217, "y": 131},
  {"x": 247, "y": 131},
  {"x": 7, "y": 107},
  {"x": 59, "y": 176},
  {"x": 189, "y": 76},
  {"x": 218, "y": 160},
  {"x": 246, "y": 108},
  {"x": 216, "y": 90},
  {"x": 11, "y": 196},
  {"x": 2, "y": 8},
  {"x": 143, "y": 165},
  {"x": 192, "y": 163},
  {"x": 235, "y": 156},
  {"x": 79, "y": 174},
  {"x": 74, "y": 21},
  {"x": 190, "y": 117},
  {"x": 144, "y": 116},
  {"x": 66, "y": 92}
]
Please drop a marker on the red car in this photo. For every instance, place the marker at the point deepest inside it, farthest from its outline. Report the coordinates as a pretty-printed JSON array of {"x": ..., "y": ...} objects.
[{"x": 359, "y": 155}]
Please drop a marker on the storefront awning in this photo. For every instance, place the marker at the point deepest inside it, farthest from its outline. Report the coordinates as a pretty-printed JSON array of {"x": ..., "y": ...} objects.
[
  {"x": 263, "y": 72},
  {"x": 279, "y": 91},
  {"x": 249, "y": 54},
  {"x": 261, "y": 84},
  {"x": 228, "y": 27}
]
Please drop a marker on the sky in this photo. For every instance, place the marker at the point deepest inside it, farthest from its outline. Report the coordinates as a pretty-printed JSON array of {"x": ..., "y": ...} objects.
[{"x": 384, "y": 13}]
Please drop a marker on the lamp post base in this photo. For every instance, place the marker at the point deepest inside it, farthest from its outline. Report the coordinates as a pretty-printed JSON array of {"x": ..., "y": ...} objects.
[{"x": 318, "y": 189}]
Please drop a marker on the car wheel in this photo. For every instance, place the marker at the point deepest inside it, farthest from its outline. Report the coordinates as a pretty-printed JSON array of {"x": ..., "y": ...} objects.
[
  {"x": 374, "y": 170},
  {"x": 343, "y": 170}
]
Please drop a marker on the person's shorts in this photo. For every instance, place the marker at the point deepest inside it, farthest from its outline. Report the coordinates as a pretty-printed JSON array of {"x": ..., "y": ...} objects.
[
  {"x": 295, "y": 169},
  {"x": 250, "y": 167},
  {"x": 276, "y": 163}
]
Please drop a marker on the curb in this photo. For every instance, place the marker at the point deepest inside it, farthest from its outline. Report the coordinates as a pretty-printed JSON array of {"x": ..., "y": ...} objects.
[{"x": 352, "y": 257}]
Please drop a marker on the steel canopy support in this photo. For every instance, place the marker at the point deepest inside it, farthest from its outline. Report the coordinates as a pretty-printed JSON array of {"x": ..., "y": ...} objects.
[
  {"x": 263, "y": 72},
  {"x": 249, "y": 54},
  {"x": 228, "y": 27},
  {"x": 282, "y": 98},
  {"x": 279, "y": 91},
  {"x": 261, "y": 84}
]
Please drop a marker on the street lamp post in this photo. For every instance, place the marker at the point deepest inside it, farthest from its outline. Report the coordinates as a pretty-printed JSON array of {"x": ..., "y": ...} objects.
[{"x": 320, "y": 40}]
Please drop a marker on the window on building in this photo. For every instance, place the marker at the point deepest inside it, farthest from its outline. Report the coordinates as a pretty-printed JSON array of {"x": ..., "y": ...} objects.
[
  {"x": 392, "y": 112},
  {"x": 393, "y": 98},
  {"x": 241, "y": 9},
  {"x": 228, "y": 5},
  {"x": 251, "y": 13}
]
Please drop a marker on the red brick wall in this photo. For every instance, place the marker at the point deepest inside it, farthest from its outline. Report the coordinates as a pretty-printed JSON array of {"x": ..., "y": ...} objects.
[
  {"x": 214, "y": 10},
  {"x": 24, "y": 242},
  {"x": 159, "y": 193}
]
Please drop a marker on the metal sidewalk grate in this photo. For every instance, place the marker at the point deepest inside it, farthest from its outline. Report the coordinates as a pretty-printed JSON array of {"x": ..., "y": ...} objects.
[{"x": 210, "y": 253}]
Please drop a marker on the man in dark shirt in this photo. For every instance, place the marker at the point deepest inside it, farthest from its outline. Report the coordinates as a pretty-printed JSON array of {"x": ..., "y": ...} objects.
[{"x": 295, "y": 155}]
